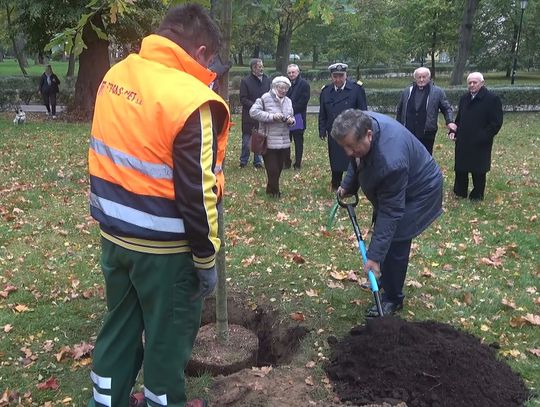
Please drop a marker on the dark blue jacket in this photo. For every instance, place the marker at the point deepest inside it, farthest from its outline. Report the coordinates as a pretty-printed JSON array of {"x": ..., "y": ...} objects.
[
  {"x": 332, "y": 103},
  {"x": 402, "y": 182},
  {"x": 299, "y": 94},
  {"x": 251, "y": 88}
]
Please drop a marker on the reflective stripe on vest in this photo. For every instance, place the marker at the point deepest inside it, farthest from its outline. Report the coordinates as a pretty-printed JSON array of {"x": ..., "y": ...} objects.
[
  {"x": 136, "y": 217},
  {"x": 158, "y": 171}
]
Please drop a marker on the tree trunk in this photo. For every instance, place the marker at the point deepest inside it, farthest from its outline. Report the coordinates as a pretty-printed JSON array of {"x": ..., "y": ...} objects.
[
  {"x": 465, "y": 40},
  {"x": 256, "y": 52},
  {"x": 222, "y": 316},
  {"x": 71, "y": 65},
  {"x": 93, "y": 64},
  {"x": 315, "y": 56},
  {"x": 433, "y": 48},
  {"x": 512, "y": 52},
  {"x": 283, "y": 48},
  {"x": 16, "y": 50}
]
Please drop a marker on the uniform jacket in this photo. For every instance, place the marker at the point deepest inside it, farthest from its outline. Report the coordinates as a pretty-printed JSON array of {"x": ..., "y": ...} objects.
[
  {"x": 299, "y": 93},
  {"x": 152, "y": 153},
  {"x": 436, "y": 101},
  {"x": 44, "y": 86},
  {"x": 332, "y": 103},
  {"x": 251, "y": 88},
  {"x": 478, "y": 121},
  {"x": 402, "y": 182},
  {"x": 263, "y": 110}
]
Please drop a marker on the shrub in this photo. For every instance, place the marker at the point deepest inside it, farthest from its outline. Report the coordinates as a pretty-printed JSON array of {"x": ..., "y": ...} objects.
[
  {"x": 513, "y": 98},
  {"x": 18, "y": 90}
]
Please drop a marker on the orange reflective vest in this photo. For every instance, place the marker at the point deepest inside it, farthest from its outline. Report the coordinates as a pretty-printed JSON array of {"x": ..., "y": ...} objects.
[{"x": 141, "y": 107}]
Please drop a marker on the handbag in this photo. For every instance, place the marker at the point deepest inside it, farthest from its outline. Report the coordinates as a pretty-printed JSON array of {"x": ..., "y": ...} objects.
[
  {"x": 258, "y": 142},
  {"x": 299, "y": 123},
  {"x": 258, "y": 139}
]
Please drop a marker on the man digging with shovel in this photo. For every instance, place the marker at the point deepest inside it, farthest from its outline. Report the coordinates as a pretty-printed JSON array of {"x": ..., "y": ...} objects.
[{"x": 402, "y": 182}]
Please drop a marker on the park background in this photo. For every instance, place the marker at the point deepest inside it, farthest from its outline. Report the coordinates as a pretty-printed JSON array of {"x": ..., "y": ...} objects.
[{"x": 477, "y": 268}]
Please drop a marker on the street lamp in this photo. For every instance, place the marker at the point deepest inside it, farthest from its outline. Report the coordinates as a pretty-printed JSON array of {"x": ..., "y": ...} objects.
[{"x": 523, "y": 5}]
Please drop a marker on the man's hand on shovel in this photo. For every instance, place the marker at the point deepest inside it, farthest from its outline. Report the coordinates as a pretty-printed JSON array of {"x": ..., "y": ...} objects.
[{"x": 374, "y": 266}]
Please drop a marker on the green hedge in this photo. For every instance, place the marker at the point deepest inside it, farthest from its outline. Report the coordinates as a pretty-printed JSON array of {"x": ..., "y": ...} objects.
[
  {"x": 523, "y": 98},
  {"x": 514, "y": 99},
  {"x": 18, "y": 90}
]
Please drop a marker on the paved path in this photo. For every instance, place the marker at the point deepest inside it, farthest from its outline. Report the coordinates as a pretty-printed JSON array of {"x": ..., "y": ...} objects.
[{"x": 40, "y": 108}]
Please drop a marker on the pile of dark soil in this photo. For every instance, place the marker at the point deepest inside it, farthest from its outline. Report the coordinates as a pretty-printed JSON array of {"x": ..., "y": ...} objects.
[{"x": 421, "y": 363}]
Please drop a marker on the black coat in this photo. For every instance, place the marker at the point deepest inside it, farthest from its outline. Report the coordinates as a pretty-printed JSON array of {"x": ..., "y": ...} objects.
[
  {"x": 401, "y": 180},
  {"x": 44, "y": 87},
  {"x": 251, "y": 88},
  {"x": 299, "y": 93},
  {"x": 332, "y": 103},
  {"x": 478, "y": 121}
]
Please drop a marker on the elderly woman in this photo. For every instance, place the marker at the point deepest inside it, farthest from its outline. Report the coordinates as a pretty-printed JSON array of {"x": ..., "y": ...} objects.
[{"x": 274, "y": 112}]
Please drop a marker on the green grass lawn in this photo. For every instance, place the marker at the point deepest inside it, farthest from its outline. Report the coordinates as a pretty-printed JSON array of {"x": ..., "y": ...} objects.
[
  {"x": 10, "y": 67},
  {"x": 477, "y": 268}
]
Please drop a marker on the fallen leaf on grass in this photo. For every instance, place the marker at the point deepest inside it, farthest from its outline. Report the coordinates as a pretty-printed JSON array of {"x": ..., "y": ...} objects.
[
  {"x": 50, "y": 384},
  {"x": 426, "y": 273},
  {"x": 63, "y": 351},
  {"x": 332, "y": 284},
  {"x": 22, "y": 308},
  {"x": 511, "y": 352},
  {"x": 309, "y": 381},
  {"x": 537, "y": 300},
  {"x": 339, "y": 275},
  {"x": 535, "y": 352},
  {"x": 298, "y": 259},
  {"x": 280, "y": 217},
  {"x": 7, "y": 290},
  {"x": 8, "y": 328},
  {"x": 414, "y": 283},
  {"x": 80, "y": 350},
  {"x": 467, "y": 298},
  {"x": 508, "y": 303},
  {"x": 518, "y": 322},
  {"x": 530, "y": 290},
  {"x": 312, "y": 293},
  {"x": 297, "y": 316},
  {"x": 310, "y": 364}
]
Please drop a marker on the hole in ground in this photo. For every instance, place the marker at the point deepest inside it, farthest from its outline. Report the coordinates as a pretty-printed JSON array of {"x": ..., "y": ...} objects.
[{"x": 279, "y": 338}]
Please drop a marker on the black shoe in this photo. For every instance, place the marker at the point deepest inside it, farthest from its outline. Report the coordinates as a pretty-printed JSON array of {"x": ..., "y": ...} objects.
[
  {"x": 242, "y": 165},
  {"x": 258, "y": 165},
  {"x": 297, "y": 167},
  {"x": 388, "y": 308}
]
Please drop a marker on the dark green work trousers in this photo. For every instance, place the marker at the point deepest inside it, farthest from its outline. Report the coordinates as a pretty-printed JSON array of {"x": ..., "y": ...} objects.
[{"x": 147, "y": 293}]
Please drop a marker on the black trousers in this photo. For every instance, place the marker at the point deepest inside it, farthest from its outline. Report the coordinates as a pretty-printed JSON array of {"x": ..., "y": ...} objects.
[
  {"x": 273, "y": 163},
  {"x": 336, "y": 179},
  {"x": 461, "y": 185},
  {"x": 394, "y": 270},
  {"x": 298, "y": 137},
  {"x": 428, "y": 139},
  {"x": 49, "y": 100}
]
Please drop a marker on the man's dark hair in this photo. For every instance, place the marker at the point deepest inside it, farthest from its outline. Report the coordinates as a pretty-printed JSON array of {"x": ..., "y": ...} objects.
[
  {"x": 190, "y": 26},
  {"x": 351, "y": 120}
]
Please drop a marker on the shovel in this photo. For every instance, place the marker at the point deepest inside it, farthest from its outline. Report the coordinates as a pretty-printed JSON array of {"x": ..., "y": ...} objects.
[{"x": 362, "y": 249}]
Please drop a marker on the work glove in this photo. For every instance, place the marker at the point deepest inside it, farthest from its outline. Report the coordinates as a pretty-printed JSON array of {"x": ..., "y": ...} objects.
[
  {"x": 322, "y": 136},
  {"x": 207, "y": 282}
]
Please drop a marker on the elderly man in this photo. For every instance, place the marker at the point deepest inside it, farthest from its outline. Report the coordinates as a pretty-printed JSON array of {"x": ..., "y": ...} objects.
[
  {"x": 419, "y": 107},
  {"x": 403, "y": 184},
  {"x": 336, "y": 97},
  {"x": 251, "y": 87},
  {"x": 479, "y": 119},
  {"x": 299, "y": 93}
]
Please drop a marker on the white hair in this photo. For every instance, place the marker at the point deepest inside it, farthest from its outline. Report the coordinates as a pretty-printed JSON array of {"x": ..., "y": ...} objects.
[
  {"x": 420, "y": 70},
  {"x": 477, "y": 74},
  {"x": 281, "y": 79}
]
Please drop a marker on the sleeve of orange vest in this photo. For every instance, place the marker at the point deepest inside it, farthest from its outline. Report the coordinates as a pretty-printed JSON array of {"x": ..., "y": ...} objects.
[{"x": 194, "y": 158}]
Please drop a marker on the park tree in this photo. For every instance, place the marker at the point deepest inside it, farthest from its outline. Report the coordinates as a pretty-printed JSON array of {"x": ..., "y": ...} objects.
[
  {"x": 90, "y": 38},
  {"x": 428, "y": 27},
  {"x": 10, "y": 10},
  {"x": 465, "y": 41}
]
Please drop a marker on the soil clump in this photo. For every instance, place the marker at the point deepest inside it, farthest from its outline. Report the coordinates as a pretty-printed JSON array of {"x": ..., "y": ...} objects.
[{"x": 424, "y": 364}]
